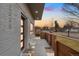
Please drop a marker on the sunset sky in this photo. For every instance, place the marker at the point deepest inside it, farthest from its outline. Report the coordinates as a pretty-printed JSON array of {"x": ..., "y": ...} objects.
[
  {"x": 42, "y": 23},
  {"x": 53, "y": 11}
]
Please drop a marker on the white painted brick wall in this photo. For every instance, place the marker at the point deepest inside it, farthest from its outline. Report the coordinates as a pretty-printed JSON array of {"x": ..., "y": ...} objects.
[
  {"x": 27, "y": 13},
  {"x": 9, "y": 29}
]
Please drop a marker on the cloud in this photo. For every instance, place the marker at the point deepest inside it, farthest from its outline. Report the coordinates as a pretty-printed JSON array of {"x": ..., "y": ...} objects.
[{"x": 48, "y": 9}]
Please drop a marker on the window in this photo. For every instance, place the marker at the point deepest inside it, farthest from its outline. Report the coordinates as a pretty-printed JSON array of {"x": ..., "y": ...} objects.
[
  {"x": 22, "y": 33},
  {"x": 31, "y": 28}
]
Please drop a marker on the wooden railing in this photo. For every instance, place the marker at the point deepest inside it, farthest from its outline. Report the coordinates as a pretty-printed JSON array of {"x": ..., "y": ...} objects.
[
  {"x": 49, "y": 37},
  {"x": 62, "y": 46}
]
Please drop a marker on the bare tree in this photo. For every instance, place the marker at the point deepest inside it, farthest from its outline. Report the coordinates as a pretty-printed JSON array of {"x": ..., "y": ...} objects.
[
  {"x": 70, "y": 24},
  {"x": 71, "y": 9}
]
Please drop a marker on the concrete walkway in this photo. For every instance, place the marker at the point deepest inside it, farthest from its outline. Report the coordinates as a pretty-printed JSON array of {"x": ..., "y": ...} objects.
[{"x": 40, "y": 45}]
